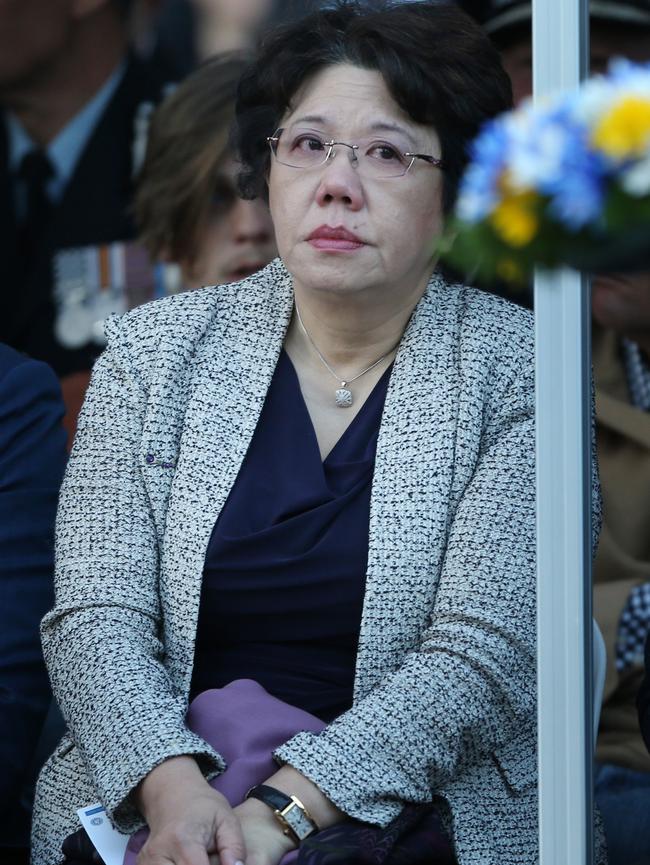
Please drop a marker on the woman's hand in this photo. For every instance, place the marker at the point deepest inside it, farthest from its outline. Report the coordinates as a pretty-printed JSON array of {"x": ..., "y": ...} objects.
[
  {"x": 265, "y": 841},
  {"x": 189, "y": 822}
]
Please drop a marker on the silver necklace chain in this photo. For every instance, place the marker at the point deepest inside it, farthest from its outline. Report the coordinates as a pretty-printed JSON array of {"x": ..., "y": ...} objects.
[{"x": 343, "y": 395}]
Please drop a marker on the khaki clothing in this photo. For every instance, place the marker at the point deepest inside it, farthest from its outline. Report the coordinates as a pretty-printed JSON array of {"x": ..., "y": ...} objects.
[{"x": 623, "y": 559}]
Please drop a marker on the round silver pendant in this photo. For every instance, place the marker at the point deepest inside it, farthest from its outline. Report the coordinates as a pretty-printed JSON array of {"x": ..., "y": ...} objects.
[{"x": 343, "y": 397}]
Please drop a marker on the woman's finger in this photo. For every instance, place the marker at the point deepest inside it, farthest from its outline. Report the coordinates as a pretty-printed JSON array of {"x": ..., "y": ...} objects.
[
  {"x": 230, "y": 840},
  {"x": 173, "y": 852}
]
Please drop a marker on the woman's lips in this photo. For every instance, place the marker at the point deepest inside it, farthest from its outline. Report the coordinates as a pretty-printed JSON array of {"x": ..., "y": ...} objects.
[{"x": 334, "y": 239}]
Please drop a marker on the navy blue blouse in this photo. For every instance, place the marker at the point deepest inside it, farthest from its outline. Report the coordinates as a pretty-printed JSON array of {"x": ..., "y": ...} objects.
[{"x": 284, "y": 576}]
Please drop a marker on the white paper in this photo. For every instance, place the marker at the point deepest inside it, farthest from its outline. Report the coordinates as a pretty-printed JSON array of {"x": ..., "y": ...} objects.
[{"x": 109, "y": 843}]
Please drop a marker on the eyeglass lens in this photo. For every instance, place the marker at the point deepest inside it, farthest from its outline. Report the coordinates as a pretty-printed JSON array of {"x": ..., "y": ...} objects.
[{"x": 306, "y": 149}]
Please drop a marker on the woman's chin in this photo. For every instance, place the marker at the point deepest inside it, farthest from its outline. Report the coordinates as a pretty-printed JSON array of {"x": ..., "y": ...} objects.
[
  {"x": 336, "y": 274},
  {"x": 340, "y": 285}
]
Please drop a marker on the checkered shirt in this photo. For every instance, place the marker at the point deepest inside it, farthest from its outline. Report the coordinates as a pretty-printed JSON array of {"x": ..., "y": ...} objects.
[
  {"x": 633, "y": 628},
  {"x": 634, "y": 623},
  {"x": 637, "y": 371}
]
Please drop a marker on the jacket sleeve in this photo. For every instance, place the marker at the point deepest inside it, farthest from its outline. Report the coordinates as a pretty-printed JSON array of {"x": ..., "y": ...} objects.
[
  {"x": 469, "y": 688},
  {"x": 103, "y": 639},
  {"x": 32, "y": 460}
]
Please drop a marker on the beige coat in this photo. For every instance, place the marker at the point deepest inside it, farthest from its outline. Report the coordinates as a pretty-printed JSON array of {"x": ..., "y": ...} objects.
[{"x": 623, "y": 559}]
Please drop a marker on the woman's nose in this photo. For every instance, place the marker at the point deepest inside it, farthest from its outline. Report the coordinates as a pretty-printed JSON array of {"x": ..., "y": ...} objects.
[
  {"x": 340, "y": 182},
  {"x": 251, "y": 222}
]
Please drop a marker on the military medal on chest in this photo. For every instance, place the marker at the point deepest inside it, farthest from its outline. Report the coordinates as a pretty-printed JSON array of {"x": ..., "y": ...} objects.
[
  {"x": 93, "y": 282},
  {"x": 88, "y": 287}
]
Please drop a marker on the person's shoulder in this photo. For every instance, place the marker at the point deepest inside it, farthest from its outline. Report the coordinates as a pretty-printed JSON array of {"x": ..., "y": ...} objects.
[
  {"x": 175, "y": 325},
  {"x": 29, "y": 369},
  {"x": 32, "y": 439},
  {"x": 181, "y": 318},
  {"x": 486, "y": 311},
  {"x": 495, "y": 335},
  {"x": 10, "y": 359},
  {"x": 495, "y": 326}
]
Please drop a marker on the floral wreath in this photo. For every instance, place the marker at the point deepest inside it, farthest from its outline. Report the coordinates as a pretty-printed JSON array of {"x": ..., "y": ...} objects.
[{"x": 561, "y": 182}]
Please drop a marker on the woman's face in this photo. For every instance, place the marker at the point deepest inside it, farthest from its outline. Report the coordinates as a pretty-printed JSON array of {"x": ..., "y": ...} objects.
[
  {"x": 236, "y": 240},
  {"x": 395, "y": 219}
]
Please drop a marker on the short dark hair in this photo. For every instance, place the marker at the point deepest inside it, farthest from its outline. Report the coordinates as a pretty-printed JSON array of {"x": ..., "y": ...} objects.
[{"x": 437, "y": 63}]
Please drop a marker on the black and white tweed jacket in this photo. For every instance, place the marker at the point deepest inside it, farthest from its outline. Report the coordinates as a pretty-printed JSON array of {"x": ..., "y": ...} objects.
[{"x": 445, "y": 681}]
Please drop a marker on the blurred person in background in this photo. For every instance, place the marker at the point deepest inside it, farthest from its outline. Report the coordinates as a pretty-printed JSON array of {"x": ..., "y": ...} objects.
[
  {"x": 617, "y": 28},
  {"x": 621, "y": 360},
  {"x": 69, "y": 96},
  {"x": 32, "y": 459},
  {"x": 184, "y": 32},
  {"x": 187, "y": 206},
  {"x": 228, "y": 25}
]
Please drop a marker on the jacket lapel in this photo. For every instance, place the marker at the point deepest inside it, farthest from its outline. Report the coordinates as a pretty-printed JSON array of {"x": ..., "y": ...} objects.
[
  {"x": 232, "y": 371},
  {"x": 412, "y": 488},
  {"x": 412, "y": 482}
]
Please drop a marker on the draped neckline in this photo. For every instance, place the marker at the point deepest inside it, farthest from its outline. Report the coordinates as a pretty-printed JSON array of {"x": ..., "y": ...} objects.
[{"x": 332, "y": 457}]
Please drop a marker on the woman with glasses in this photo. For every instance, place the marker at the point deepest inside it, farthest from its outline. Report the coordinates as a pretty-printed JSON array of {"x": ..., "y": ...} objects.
[{"x": 320, "y": 478}]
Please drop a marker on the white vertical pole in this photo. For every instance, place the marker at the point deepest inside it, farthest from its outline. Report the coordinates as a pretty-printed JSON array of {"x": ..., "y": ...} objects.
[{"x": 563, "y": 417}]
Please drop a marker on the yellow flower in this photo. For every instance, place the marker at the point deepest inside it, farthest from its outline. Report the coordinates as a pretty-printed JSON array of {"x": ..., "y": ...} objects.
[
  {"x": 624, "y": 132},
  {"x": 514, "y": 218}
]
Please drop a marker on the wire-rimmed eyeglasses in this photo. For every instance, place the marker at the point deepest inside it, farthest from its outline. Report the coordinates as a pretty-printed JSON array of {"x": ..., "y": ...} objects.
[{"x": 376, "y": 158}]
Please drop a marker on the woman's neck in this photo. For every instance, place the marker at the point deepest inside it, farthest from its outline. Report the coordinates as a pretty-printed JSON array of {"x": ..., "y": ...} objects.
[{"x": 349, "y": 331}]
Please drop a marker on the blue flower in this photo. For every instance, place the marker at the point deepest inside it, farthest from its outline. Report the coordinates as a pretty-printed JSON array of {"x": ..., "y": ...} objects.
[
  {"x": 551, "y": 155},
  {"x": 578, "y": 198},
  {"x": 624, "y": 73},
  {"x": 479, "y": 189},
  {"x": 577, "y": 193}
]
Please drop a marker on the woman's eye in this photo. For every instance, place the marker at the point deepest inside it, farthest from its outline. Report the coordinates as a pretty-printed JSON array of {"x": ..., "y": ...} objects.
[
  {"x": 307, "y": 143},
  {"x": 385, "y": 152}
]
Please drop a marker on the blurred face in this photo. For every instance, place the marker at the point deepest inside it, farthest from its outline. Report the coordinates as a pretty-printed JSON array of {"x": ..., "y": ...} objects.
[
  {"x": 621, "y": 302},
  {"x": 386, "y": 226},
  {"x": 607, "y": 40},
  {"x": 237, "y": 239},
  {"x": 33, "y": 33},
  {"x": 240, "y": 13}
]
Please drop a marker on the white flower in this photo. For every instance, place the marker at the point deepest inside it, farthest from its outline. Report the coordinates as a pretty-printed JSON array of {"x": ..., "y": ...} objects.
[
  {"x": 599, "y": 94},
  {"x": 594, "y": 99},
  {"x": 472, "y": 207},
  {"x": 537, "y": 156},
  {"x": 636, "y": 179}
]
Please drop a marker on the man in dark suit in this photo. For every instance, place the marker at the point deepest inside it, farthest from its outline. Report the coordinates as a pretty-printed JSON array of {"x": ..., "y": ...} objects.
[
  {"x": 32, "y": 459},
  {"x": 69, "y": 97}
]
